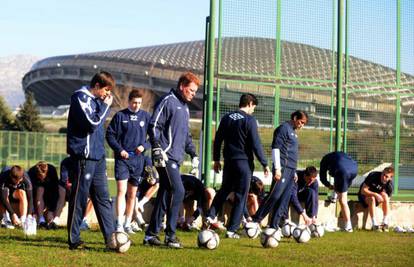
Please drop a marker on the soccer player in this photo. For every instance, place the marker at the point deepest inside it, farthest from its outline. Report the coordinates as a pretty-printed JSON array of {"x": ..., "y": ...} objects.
[
  {"x": 285, "y": 154},
  {"x": 16, "y": 195},
  {"x": 148, "y": 186},
  {"x": 343, "y": 169},
  {"x": 44, "y": 179},
  {"x": 377, "y": 189},
  {"x": 194, "y": 191},
  {"x": 255, "y": 197},
  {"x": 88, "y": 110},
  {"x": 170, "y": 138},
  {"x": 305, "y": 190},
  {"x": 127, "y": 136},
  {"x": 238, "y": 131}
]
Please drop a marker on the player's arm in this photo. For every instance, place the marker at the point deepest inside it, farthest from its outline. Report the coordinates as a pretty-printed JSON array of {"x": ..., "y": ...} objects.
[
  {"x": 257, "y": 145},
  {"x": 113, "y": 134},
  {"x": 280, "y": 136},
  {"x": 323, "y": 173},
  {"x": 91, "y": 115},
  {"x": 29, "y": 194},
  {"x": 218, "y": 140},
  {"x": 4, "y": 199}
]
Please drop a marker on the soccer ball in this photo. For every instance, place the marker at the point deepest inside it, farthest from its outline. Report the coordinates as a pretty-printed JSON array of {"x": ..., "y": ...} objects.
[
  {"x": 252, "y": 229},
  {"x": 301, "y": 234},
  {"x": 287, "y": 229},
  {"x": 119, "y": 242},
  {"x": 317, "y": 230},
  {"x": 208, "y": 239},
  {"x": 270, "y": 237}
]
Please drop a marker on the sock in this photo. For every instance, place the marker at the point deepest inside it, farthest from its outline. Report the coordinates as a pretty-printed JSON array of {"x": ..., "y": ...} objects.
[
  {"x": 385, "y": 220},
  {"x": 120, "y": 221},
  {"x": 6, "y": 216},
  {"x": 42, "y": 219},
  {"x": 127, "y": 222},
  {"x": 348, "y": 225},
  {"x": 143, "y": 201},
  {"x": 23, "y": 219},
  {"x": 374, "y": 222},
  {"x": 56, "y": 220}
]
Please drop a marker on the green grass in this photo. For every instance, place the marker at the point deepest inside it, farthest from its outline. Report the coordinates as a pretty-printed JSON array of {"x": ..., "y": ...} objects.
[{"x": 361, "y": 248}]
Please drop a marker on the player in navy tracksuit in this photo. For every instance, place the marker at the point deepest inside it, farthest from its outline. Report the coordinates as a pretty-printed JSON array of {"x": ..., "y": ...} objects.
[
  {"x": 377, "y": 188},
  {"x": 305, "y": 190},
  {"x": 127, "y": 136},
  {"x": 238, "y": 131},
  {"x": 16, "y": 195},
  {"x": 45, "y": 182},
  {"x": 343, "y": 169},
  {"x": 85, "y": 144},
  {"x": 170, "y": 139},
  {"x": 285, "y": 153}
]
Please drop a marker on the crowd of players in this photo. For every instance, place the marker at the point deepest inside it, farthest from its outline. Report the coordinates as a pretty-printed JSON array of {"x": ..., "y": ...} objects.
[{"x": 165, "y": 134}]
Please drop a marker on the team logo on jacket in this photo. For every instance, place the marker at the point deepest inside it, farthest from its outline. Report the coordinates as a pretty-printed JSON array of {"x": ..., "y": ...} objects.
[
  {"x": 174, "y": 166},
  {"x": 142, "y": 123},
  {"x": 133, "y": 117},
  {"x": 87, "y": 176},
  {"x": 236, "y": 116}
]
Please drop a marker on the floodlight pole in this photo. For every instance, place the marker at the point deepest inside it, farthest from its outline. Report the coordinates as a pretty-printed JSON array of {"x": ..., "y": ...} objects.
[
  {"x": 339, "y": 76},
  {"x": 209, "y": 94}
]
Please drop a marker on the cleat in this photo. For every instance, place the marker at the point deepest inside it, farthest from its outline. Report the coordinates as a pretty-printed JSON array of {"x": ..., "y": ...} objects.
[
  {"x": 348, "y": 230},
  {"x": 84, "y": 226},
  {"x": 128, "y": 230},
  {"x": 52, "y": 226},
  {"x": 232, "y": 235},
  {"x": 7, "y": 224},
  {"x": 376, "y": 228},
  {"x": 173, "y": 242},
  {"x": 43, "y": 225},
  {"x": 78, "y": 245},
  {"x": 385, "y": 227},
  {"x": 399, "y": 229},
  {"x": 152, "y": 241},
  {"x": 135, "y": 227}
]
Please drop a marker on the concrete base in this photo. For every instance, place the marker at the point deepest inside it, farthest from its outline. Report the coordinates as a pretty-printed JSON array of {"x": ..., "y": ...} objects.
[{"x": 402, "y": 214}]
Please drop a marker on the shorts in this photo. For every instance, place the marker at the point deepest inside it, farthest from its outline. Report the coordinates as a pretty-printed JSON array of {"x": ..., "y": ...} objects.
[
  {"x": 343, "y": 179},
  {"x": 362, "y": 198},
  {"x": 130, "y": 169}
]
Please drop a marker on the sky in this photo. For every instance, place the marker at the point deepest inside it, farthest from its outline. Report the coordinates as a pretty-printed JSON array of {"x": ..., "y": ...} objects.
[{"x": 46, "y": 28}]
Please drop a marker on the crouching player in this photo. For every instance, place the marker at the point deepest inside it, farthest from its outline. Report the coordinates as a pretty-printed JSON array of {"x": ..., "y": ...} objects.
[
  {"x": 305, "y": 190},
  {"x": 44, "y": 179},
  {"x": 194, "y": 191},
  {"x": 377, "y": 189},
  {"x": 148, "y": 186},
  {"x": 16, "y": 196}
]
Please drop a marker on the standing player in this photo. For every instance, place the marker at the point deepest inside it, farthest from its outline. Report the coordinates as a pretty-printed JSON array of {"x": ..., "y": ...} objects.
[
  {"x": 44, "y": 179},
  {"x": 376, "y": 189},
  {"x": 238, "y": 131},
  {"x": 85, "y": 144},
  {"x": 170, "y": 138},
  {"x": 285, "y": 154},
  {"x": 305, "y": 190},
  {"x": 127, "y": 136},
  {"x": 16, "y": 195},
  {"x": 343, "y": 169}
]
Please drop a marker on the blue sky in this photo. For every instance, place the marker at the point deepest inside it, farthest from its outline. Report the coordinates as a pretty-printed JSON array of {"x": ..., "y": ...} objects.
[
  {"x": 47, "y": 28},
  {"x": 52, "y": 27}
]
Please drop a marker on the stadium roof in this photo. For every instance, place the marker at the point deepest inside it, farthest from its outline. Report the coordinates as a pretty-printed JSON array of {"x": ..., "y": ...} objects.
[{"x": 158, "y": 67}]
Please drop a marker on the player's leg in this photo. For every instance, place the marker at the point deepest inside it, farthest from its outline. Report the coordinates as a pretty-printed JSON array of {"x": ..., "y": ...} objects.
[
  {"x": 385, "y": 210},
  {"x": 130, "y": 204},
  {"x": 40, "y": 206},
  {"x": 101, "y": 200},
  {"x": 21, "y": 196},
  {"x": 61, "y": 201},
  {"x": 121, "y": 177}
]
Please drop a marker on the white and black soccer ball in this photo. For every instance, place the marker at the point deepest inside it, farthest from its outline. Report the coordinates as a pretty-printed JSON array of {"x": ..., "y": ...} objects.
[
  {"x": 252, "y": 229},
  {"x": 119, "y": 242},
  {"x": 270, "y": 237},
  {"x": 208, "y": 239},
  {"x": 317, "y": 230},
  {"x": 287, "y": 229},
  {"x": 301, "y": 234}
]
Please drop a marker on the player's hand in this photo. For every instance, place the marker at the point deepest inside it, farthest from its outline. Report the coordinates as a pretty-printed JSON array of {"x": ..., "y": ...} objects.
[
  {"x": 195, "y": 162},
  {"x": 159, "y": 157},
  {"x": 266, "y": 171},
  {"x": 306, "y": 218},
  {"x": 217, "y": 166},
  {"x": 124, "y": 154},
  {"x": 108, "y": 99},
  {"x": 379, "y": 198},
  {"x": 139, "y": 149},
  {"x": 295, "y": 178},
  {"x": 15, "y": 219},
  {"x": 331, "y": 187},
  {"x": 277, "y": 175}
]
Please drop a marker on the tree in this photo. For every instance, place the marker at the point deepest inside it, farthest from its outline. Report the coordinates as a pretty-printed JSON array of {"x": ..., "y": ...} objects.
[
  {"x": 6, "y": 117},
  {"x": 27, "y": 119}
]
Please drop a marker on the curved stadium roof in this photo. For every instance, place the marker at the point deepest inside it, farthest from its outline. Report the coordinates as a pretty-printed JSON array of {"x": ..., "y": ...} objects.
[{"x": 157, "y": 68}]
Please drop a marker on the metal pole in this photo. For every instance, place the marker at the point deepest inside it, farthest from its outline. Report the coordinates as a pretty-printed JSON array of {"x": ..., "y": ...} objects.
[
  {"x": 210, "y": 88},
  {"x": 339, "y": 77},
  {"x": 205, "y": 83},
  {"x": 397, "y": 143}
]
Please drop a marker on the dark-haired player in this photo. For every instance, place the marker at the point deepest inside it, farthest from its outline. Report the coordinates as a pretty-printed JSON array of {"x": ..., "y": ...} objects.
[
  {"x": 16, "y": 195},
  {"x": 127, "y": 136},
  {"x": 377, "y": 189}
]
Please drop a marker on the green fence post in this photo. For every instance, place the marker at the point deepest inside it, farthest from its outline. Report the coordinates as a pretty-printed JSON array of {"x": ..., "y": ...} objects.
[
  {"x": 339, "y": 77},
  {"x": 397, "y": 143}
]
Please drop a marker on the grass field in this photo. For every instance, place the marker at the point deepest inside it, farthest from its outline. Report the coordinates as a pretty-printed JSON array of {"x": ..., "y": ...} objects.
[{"x": 361, "y": 248}]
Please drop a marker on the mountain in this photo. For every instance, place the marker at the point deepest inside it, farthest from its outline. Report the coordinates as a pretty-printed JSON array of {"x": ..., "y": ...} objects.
[{"x": 12, "y": 70}]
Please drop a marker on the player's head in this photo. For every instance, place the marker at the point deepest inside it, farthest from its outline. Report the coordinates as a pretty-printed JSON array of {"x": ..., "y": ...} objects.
[
  {"x": 187, "y": 85},
  {"x": 248, "y": 102},
  {"x": 102, "y": 84},
  {"x": 387, "y": 174},
  {"x": 41, "y": 169},
  {"x": 310, "y": 174},
  {"x": 257, "y": 187},
  {"x": 299, "y": 119},
  {"x": 16, "y": 174},
  {"x": 135, "y": 100}
]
